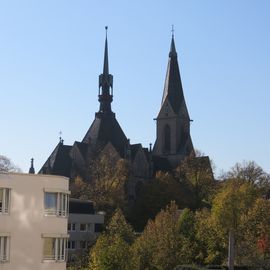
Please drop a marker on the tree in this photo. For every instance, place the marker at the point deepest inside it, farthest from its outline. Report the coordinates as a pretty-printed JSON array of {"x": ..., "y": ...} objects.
[
  {"x": 79, "y": 261},
  {"x": 118, "y": 225},
  {"x": 107, "y": 184},
  {"x": 211, "y": 241},
  {"x": 80, "y": 189},
  {"x": 230, "y": 207},
  {"x": 110, "y": 253},
  {"x": 250, "y": 172},
  {"x": 155, "y": 195},
  {"x": 197, "y": 174},
  {"x": 6, "y": 165},
  {"x": 188, "y": 242},
  {"x": 255, "y": 249},
  {"x": 159, "y": 245},
  {"x": 113, "y": 247}
]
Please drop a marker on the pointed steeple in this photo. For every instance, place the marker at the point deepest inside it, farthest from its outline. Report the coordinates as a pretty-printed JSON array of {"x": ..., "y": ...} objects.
[
  {"x": 32, "y": 169},
  {"x": 173, "y": 140},
  {"x": 105, "y": 85},
  {"x": 173, "y": 90},
  {"x": 172, "y": 50},
  {"x": 106, "y": 60}
]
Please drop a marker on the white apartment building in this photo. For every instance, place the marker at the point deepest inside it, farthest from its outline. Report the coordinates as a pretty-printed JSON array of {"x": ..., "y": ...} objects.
[{"x": 33, "y": 221}]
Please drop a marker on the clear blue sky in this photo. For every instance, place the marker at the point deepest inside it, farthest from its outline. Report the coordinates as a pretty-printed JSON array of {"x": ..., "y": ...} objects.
[{"x": 51, "y": 54}]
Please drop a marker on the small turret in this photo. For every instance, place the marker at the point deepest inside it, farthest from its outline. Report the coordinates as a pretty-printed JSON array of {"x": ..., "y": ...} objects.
[{"x": 32, "y": 169}]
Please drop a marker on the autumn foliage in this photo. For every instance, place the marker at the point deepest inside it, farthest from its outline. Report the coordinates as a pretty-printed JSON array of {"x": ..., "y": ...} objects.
[{"x": 176, "y": 234}]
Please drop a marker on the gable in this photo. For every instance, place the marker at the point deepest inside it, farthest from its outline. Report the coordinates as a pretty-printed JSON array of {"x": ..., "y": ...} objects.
[
  {"x": 110, "y": 151},
  {"x": 104, "y": 130},
  {"x": 166, "y": 110},
  {"x": 140, "y": 163},
  {"x": 77, "y": 154}
]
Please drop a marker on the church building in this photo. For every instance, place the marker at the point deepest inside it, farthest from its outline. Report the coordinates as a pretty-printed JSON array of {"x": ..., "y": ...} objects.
[{"x": 173, "y": 141}]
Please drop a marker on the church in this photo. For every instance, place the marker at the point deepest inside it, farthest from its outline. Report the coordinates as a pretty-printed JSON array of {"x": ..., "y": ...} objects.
[{"x": 173, "y": 140}]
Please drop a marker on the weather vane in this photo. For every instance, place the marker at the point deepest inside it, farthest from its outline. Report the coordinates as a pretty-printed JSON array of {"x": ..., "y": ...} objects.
[
  {"x": 106, "y": 28},
  {"x": 172, "y": 30}
]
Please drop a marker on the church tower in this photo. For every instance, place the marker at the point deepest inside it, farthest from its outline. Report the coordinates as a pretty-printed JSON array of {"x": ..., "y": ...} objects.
[
  {"x": 173, "y": 140},
  {"x": 104, "y": 133},
  {"x": 105, "y": 128}
]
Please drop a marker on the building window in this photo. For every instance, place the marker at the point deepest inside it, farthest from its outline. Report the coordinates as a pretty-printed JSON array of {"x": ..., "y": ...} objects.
[
  {"x": 4, "y": 200},
  {"x": 4, "y": 248},
  {"x": 167, "y": 139},
  {"x": 71, "y": 244},
  {"x": 86, "y": 227},
  {"x": 71, "y": 227},
  {"x": 54, "y": 249},
  {"x": 83, "y": 227},
  {"x": 56, "y": 204},
  {"x": 98, "y": 227}
]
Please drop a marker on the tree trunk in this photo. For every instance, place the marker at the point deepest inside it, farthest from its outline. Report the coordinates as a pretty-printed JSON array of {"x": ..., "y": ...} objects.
[{"x": 231, "y": 250}]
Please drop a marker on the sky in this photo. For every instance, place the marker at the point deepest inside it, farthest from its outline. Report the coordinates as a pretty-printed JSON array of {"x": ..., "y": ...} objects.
[{"x": 51, "y": 54}]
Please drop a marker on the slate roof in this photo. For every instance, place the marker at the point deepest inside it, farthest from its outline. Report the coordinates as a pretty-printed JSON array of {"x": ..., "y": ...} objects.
[
  {"x": 106, "y": 129},
  {"x": 147, "y": 153},
  {"x": 134, "y": 149},
  {"x": 77, "y": 206},
  {"x": 82, "y": 147},
  {"x": 203, "y": 162},
  {"x": 59, "y": 162},
  {"x": 186, "y": 146},
  {"x": 173, "y": 89}
]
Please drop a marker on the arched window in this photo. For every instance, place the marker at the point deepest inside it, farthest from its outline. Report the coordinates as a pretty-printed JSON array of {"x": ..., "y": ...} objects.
[{"x": 167, "y": 139}]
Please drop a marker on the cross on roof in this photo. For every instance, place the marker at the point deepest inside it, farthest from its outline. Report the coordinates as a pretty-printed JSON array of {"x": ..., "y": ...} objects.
[{"x": 60, "y": 135}]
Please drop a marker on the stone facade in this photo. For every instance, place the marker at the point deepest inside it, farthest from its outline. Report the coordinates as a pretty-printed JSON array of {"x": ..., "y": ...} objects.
[{"x": 173, "y": 140}]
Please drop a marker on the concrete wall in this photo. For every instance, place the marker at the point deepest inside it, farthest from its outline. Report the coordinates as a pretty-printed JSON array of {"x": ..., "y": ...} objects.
[{"x": 26, "y": 222}]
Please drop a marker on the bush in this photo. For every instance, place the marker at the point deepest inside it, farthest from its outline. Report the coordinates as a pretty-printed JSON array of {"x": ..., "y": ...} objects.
[
  {"x": 223, "y": 267},
  {"x": 210, "y": 267},
  {"x": 217, "y": 267},
  {"x": 188, "y": 267}
]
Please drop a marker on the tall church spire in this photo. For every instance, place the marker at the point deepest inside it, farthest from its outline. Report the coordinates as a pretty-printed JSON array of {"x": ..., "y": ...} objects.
[
  {"x": 173, "y": 140},
  {"x": 105, "y": 96},
  {"x": 173, "y": 90},
  {"x": 106, "y": 60},
  {"x": 105, "y": 128},
  {"x": 172, "y": 50}
]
